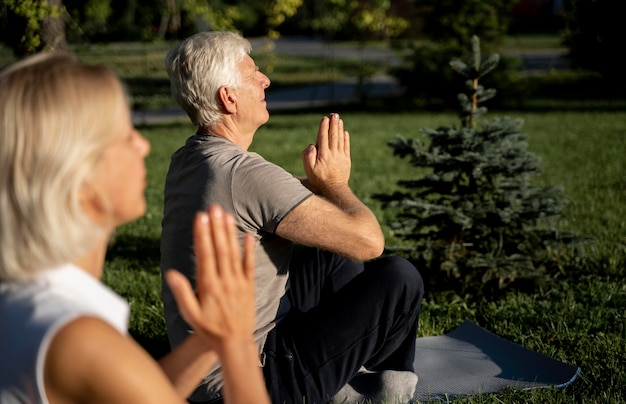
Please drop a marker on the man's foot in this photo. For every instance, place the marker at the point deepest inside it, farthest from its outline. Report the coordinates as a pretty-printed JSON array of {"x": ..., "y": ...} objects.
[{"x": 387, "y": 386}]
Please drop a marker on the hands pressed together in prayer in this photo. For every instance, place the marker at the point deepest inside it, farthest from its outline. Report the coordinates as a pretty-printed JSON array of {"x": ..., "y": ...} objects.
[{"x": 327, "y": 163}]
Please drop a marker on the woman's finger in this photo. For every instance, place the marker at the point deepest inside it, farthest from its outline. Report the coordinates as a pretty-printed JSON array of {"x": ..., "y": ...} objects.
[
  {"x": 221, "y": 240},
  {"x": 248, "y": 257},
  {"x": 185, "y": 297},
  {"x": 234, "y": 247},
  {"x": 206, "y": 265}
]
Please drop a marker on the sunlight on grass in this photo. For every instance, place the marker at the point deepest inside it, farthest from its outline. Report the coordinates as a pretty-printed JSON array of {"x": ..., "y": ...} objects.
[{"x": 576, "y": 318}]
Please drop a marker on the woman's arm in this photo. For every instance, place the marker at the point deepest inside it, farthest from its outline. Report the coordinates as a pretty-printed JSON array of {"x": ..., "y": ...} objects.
[
  {"x": 88, "y": 361},
  {"x": 188, "y": 363}
]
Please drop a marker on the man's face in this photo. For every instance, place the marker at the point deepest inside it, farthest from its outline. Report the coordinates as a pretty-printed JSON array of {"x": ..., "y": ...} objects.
[{"x": 251, "y": 106}]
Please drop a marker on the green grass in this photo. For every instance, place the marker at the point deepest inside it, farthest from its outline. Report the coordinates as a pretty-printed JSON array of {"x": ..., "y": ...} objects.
[
  {"x": 537, "y": 41},
  {"x": 580, "y": 319}
]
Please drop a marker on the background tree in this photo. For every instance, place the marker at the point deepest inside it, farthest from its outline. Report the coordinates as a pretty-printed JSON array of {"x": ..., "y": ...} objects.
[
  {"x": 216, "y": 16},
  {"x": 451, "y": 22},
  {"x": 594, "y": 36},
  {"x": 277, "y": 11},
  {"x": 94, "y": 21},
  {"x": 445, "y": 25},
  {"x": 357, "y": 20},
  {"x": 476, "y": 220},
  {"x": 33, "y": 25}
]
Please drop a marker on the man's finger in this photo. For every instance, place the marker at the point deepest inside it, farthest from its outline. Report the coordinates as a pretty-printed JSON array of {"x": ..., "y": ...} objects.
[
  {"x": 322, "y": 135},
  {"x": 346, "y": 143},
  {"x": 333, "y": 131}
]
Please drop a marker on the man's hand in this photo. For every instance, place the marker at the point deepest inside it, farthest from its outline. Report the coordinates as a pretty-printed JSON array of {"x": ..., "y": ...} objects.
[
  {"x": 223, "y": 309},
  {"x": 328, "y": 164},
  {"x": 334, "y": 219}
]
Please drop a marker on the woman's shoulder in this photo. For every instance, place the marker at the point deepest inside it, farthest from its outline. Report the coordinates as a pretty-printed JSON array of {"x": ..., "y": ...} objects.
[{"x": 91, "y": 361}]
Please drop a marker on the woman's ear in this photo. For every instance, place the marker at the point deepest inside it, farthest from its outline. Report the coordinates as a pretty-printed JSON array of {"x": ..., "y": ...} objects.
[
  {"x": 228, "y": 98},
  {"x": 92, "y": 203}
]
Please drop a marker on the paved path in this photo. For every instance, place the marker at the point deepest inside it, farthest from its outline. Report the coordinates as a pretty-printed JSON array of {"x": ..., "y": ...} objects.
[
  {"x": 343, "y": 91},
  {"x": 335, "y": 93}
]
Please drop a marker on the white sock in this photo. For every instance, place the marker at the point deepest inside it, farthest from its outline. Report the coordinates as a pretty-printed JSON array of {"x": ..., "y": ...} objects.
[{"x": 387, "y": 386}]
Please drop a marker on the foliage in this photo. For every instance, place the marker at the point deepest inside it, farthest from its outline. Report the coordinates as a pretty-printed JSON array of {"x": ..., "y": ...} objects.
[
  {"x": 146, "y": 20},
  {"x": 88, "y": 17},
  {"x": 25, "y": 19},
  {"x": 114, "y": 20},
  {"x": 451, "y": 22},
  {"x": 421, "y": 74},
  {"x": 594, "y": 36},
  {"x": 216, "y": 16},
  {"x": 363, "y": 20},
  {"x": 277, "y": 12},
  {"x": 477, "y": 218},
  {"x": 447, "y": 25}
]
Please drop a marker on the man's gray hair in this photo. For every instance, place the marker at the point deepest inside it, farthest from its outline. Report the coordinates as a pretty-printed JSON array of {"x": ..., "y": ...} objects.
[{"x": 199, "y": 66}]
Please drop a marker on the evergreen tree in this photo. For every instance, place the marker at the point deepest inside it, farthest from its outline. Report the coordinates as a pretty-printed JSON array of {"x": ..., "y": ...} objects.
[{"x": 476, "y": 218}]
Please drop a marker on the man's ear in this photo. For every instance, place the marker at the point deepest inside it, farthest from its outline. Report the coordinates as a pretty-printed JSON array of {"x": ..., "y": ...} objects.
[{"x": 228, "y": 98}]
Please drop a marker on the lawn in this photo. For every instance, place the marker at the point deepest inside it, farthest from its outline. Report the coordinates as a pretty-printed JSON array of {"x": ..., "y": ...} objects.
[{"x": 580, "y": 319}]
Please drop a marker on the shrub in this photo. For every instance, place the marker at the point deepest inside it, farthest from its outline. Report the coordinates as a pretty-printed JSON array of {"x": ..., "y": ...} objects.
[{"x": 476, "y": 221}]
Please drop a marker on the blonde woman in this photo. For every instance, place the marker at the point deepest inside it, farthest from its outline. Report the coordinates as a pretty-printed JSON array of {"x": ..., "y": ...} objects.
[{"x": 72, "y": 170}]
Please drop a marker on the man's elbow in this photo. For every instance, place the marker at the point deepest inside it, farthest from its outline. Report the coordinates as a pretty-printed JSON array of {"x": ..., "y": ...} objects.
[{"x": 373, "y": 245}]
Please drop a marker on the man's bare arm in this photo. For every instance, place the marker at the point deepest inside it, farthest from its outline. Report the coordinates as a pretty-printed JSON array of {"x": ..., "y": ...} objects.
[{"x": 334, "y": 219}]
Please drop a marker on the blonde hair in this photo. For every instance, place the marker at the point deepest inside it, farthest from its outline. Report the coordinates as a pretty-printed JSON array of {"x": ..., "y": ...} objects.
[
  {"x": 199, "y": 66},
  {"x": 56, "y": 116}
]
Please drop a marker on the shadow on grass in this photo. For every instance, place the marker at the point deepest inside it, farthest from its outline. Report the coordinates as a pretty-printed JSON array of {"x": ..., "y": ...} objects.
[
  {"x": 143, "y": 250},
  {"x": 144, "y": 254}
]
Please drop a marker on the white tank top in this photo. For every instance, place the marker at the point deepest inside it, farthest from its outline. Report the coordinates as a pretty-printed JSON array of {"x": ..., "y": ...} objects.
[{"x": 31, "y": 313}]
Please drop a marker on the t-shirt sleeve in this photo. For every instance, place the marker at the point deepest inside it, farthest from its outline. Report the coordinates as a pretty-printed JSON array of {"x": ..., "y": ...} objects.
[{"x": 264, "y": 193}]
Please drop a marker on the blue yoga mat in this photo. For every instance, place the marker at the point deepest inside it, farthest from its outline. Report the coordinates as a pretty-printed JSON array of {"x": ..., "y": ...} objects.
[{"x": 470, "y": 360}]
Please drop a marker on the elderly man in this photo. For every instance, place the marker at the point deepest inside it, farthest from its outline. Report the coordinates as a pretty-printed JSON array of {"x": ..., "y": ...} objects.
[{"x": 328, "y": 308}]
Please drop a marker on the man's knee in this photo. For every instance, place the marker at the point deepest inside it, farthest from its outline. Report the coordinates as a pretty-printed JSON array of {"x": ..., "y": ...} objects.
[{"x": 399, "y": 272}]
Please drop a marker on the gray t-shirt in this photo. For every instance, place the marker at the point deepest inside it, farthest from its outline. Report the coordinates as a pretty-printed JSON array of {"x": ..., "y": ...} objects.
[{"x": 212, "y": 170}]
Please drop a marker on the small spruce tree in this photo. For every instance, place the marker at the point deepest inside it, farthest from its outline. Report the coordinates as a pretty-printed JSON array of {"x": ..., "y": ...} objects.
[{"x": 476, "y": 218}]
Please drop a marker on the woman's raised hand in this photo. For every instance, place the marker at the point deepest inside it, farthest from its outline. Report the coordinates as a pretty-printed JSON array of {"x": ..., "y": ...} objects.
[{"x": 222, "y": 308}]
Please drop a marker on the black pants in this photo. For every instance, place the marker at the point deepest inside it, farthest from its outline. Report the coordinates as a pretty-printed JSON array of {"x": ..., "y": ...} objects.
[{"x": 344, "y": 315}]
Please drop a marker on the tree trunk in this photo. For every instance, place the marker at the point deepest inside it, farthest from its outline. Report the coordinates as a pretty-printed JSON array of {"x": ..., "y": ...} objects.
[
  {"x": 53, "y": 28},
  {"x": 170, "y": 20}
]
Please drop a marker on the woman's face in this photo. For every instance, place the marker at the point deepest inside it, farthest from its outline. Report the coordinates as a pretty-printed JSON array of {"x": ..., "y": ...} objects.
[{"x": 120, "y": 174}]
